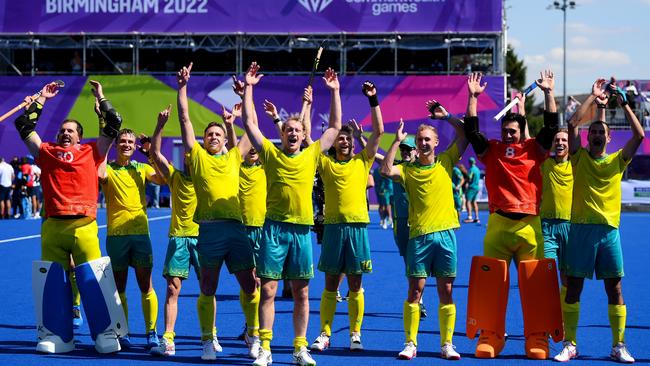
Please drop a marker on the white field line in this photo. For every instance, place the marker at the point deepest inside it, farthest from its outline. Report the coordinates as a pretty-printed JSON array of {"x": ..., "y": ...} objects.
[{"x": 99, "y": 227}]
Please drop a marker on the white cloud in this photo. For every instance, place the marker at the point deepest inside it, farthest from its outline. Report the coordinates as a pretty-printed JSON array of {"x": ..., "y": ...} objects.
[
  {"x": 515, "y": 42},
  {"x": 580, "y": 40},
  {"x": 599, "y": 57}
]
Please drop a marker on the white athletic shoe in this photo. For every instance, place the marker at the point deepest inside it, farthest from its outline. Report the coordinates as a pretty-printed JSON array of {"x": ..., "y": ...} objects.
[
  {"x": 321, "y": 343},
  {"x": 569, "y": 351},
  {"x": 209, "y": 350},
  {"x": 303, "y": 358},
  {"x": 264, "y": 358},
  {"x": 355, "y": 342},
  {"x": 217, "y": 346},
  {"x": 382, "y": 223},
  {"x": 410, "y": 351},
  {"x": 166, "y": 347},
  {"x": 254, "y": 345},
  {"x": 448, "y": 352},
  {"x": 621, "y": 354}
]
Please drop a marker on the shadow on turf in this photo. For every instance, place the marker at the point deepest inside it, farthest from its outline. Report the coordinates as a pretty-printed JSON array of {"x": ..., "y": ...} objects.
[{"x": 14, "y": 326}]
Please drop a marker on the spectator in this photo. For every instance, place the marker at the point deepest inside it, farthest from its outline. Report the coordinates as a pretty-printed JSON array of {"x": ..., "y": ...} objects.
[{"x": 6, "y": 178}]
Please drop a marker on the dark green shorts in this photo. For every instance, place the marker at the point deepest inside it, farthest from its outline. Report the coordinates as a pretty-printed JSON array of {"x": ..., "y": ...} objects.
[
  {"x": 285, "y": 252},
  {"x": 345, "y": 249}
]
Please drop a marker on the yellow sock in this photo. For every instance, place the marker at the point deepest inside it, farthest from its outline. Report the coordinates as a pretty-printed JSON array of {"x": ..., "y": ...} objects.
[
  {"x": 617, "y": 316},
  {"x": 214, "y": 331},
  {"x": 411, "y": 321},
  {"x": 571, "y": 315},
  {"x": 76, "y": 297},
  {"x": 356, "y": 309},
  {"x": 205, "y": 310},
  {"x": 169, "y": 335},
  {"x": 250, "y": 304},
  {"x": 562, "y": 294},
  {"x": 125, "y": 306},
  {"x": 150, "y": 310},
  {"x": 266, "y": 335},
  {"x": 327, "y": 310},
  {"x": 447, "y": 319},
  {"x": 299, "y": 342}
]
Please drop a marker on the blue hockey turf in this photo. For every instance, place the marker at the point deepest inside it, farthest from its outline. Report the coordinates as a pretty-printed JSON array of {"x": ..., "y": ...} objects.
[{"x": 382, "y": 331}]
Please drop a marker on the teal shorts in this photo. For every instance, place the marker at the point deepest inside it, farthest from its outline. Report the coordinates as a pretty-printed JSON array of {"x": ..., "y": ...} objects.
[
  {"x": 471, "y": 194},
  {"x": 345, "y": 249},
  {"x": 383, "y": 198},
  {"x": 254, "y": 234},
  {"x": 181, "y": 254},
  {"x": 401, "y": 234},
  {"x": 458, "y": 200},
  {"x": 129, "y": 250},
  {"x": 285, "y": 252},
  {"x": 221, "y": 241},
  {"x": 594, "y": 248},
  {"x": 556, "y": 237},
  {"x": 432, "y": 255}
]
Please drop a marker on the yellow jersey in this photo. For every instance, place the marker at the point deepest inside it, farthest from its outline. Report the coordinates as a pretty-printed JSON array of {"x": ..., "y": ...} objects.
[
  {"x": 252, "y": 194},
  {"x": 183, "y": 200},
  {"x": 557, "y": 190},
  {"x": 126, "y": 202}
]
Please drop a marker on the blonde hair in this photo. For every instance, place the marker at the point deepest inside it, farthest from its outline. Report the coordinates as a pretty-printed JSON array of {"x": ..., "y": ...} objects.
[{"x": 424, "y": 126}]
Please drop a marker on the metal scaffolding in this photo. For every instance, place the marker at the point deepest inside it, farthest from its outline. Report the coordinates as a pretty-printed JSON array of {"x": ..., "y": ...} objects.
[{"x": 32, "y": 54}]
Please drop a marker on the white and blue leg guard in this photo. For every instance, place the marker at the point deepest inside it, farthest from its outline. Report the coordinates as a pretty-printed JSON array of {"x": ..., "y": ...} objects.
[
  {"x": 53, "y": 306},
  {"x": 101, "y": 304}
]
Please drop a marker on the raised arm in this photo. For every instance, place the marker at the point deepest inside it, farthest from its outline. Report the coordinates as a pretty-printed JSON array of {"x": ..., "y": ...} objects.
[
  {"x": 357, "y": 133},
  {"x": 329, "y": 136},
  {"x": 601, "y": 107},
  {"x": 545, "y": 137},
  {"x": 307, "y": 99},
  {"x": 521, "y": 109},
  {"x": 229, "y": 120},
  {"x": 249, "y": 116},
  {"x": 576, "y": 119},
  {"x": 187, "y": 131},
  {"x": 387, "y": 167},
  {"x": 110, "y": 121},
  {"x": 476, "y": 138},
  {"x": 632, "y": 145},
  {"x": 159, "y": 161},
  {"x": 272, "y": 112},
  {"x": 26, "y": 123},
  {"x": 370, "y": 91},
  {"x": 437, "y": 111}
]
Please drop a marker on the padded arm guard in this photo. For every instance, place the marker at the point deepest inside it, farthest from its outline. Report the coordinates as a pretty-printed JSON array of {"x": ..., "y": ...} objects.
[
  {"x": 111, "y": 117},
  {"x": 476, "y": 138},
  {"x": 26, "y": 124},
  {"x": 547, "y": 133}
]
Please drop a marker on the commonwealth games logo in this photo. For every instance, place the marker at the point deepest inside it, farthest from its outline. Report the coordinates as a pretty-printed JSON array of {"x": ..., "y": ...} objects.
[{"x": 315, "y": 6}]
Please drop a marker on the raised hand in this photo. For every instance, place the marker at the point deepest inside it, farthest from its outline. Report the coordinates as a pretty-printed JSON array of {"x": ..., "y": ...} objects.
[
  {"x": 145, "y": 142},
  {"x": 368, "y": 89},
  {"x": 357, "y": 129},
  {"x": 331, "y": 79},
  {"x": 269, "y": 109},
  {"x": 546, "y": 80},
  {"x": 238, "y": 86},
  {"x": 228, "y": 117},
  {"x": 597, "y": 89},
  {"x": 400, "y": 135},
  {"x": 252, "y": 75},
  {"x": 236, "y": 110},
  {"x": 97, "y": 89},
  {"x": 602, "y": 100},
  {"x": 474, "y": 84},
  {"x": 521, "y": 106},
  {"x": 307, "y": 95},
  {"x": 163, "y": 116},
  {"x": 436, "y": 109},
  {"x": 183, "y": 75}
]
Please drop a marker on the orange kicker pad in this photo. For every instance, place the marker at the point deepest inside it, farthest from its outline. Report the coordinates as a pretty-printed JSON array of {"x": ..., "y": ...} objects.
[
  {"x": 488, "y": 296},
  {"x": 540, "y": 298}
]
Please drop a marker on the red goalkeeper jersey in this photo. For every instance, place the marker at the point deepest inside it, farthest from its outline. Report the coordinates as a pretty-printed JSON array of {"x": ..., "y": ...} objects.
[
  {"x": 69, "y": 179},
  {"x": 513, "y": 176}
]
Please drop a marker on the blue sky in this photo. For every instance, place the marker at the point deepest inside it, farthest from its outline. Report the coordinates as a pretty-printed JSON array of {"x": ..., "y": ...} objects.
[{"x": 604, "y": 38}]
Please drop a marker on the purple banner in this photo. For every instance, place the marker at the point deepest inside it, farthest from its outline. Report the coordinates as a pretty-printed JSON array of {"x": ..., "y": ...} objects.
[{"x": 250, "y": 16}]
